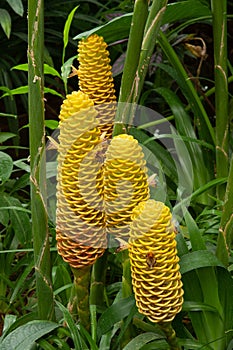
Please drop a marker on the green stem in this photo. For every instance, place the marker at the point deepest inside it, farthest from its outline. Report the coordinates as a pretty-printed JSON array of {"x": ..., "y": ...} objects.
[
  {"x": 129, "y": 79},
  {"x": 219, "y": 12},
  {"x": 225, "y": 237},
  {"x": 150, "y": 38},
  {"x": 98, "y": 281},
  {"x": 79, "y": 302},
  {"x": 97, "y": 290},
  {"x": 126, "y": 277},
  {"x": 37, "y": 160},
  {"x": 170, "y": 334},
  {"x": 126, "y": 292}
]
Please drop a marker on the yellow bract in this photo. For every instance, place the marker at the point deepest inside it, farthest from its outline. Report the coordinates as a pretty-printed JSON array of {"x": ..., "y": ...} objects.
[
  {"x": 95, "y": 79},
  {"x": 154, "y": 262},
  {"x": 125, "y": 182},
  {"x": 81, "y": 236}
]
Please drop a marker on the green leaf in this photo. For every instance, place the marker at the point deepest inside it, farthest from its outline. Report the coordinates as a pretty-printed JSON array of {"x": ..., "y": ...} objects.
[
  {"x": 21, "y": 281},
  {"x": 22, "y": 165},
  {"x": 197, "y": 306},
  {"x": 184, "y": 10},
  {"x": 6, "y": 166},
  {"x": 18, "y": 91},
  {"x": 161, "y": 154},
  {"x": 195, "y": 194},
  {"x": 118, "y": 28},
  {"x": 53, "y": 92},
  {"x": 8, "y": 321},
  {"x": 4, "y": 136},
  {"x": 50, "y": 70},
  {"x": 87, "y": 335},
  {"x": 47, "y": 69},
  {"x": 225, "y": 289},
  {"x": 185, "y": 128},
  {"x": 18, "y": 216},
  {"x": 115, "y": 313},
  {"x": 5, "y": 21},
  {"x": 191, "y": 344},
  {"x": 196, "y": 260},
  {"x": 19, "y": 322},
  {"x": 51, "y": 124},
  {"x": 187, "y": 88},
  {"x": 194, "y": 233},
  {"x": 24, "y": 90},
  {"x": 66, "y": 68},
  {"x": 8, "y": 114},
  {"x": 66, "y": 32},
  {"x": 72, "y": 327},
  {"x": 157, "y": 345},
  {"x": 16, "y": 6},
  {"x": 24, "y": 337},
  {"x": 141, "y": 340}
]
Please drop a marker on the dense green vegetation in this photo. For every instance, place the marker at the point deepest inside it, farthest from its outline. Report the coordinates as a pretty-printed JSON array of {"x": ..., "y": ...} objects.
[{"x": 188, "y": 82}]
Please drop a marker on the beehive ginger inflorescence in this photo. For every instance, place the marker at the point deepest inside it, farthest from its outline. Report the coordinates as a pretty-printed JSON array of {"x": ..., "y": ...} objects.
[
  {"x": 95, "y": 79},
  {"x": 155, "y": 271},
  {"x": 80, "y": 230}
]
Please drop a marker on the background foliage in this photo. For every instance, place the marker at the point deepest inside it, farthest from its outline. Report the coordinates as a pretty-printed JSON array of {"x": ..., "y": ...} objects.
[{"x": 181, "y": 85}]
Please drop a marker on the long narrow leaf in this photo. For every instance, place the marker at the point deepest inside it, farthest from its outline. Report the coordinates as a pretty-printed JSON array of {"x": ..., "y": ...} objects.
[
  {"x": 24, "y": 337},
  {"x": 77, "y": 339},
  {"x": 114, "y": 314},
  {"x": 141, "y": 340}
]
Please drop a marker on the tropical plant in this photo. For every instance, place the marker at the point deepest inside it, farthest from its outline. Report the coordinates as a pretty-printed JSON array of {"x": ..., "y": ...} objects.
[{"x": 171, "y": 66}]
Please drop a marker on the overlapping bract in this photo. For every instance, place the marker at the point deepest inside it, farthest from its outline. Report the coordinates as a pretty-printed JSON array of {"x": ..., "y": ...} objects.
[
  {"x": 95, "y": 79},
  {"x": 154, "y": 262},
  {"x": 125, "y": 183},
  {"x": 80, "y": 219}
]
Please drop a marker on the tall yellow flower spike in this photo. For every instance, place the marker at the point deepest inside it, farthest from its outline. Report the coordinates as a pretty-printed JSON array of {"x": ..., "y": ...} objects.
[
  {"x": 154, "y": 262},
  {"x": 95, "y": 79},
  {"x": 125, "y": 183},
  {"x": 80, "y": 219}
]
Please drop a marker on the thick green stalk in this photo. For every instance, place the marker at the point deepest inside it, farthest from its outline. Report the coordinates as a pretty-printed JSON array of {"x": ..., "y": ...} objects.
[
  {"x": 98, "y": 281},
  {"x": 150, "y": 37},
  {"x": 79, "y": 302},
  {"x": 225, "y": 237},
  {"x": 227, "y": 216},
  {"x": 219, "y": 12},
  {"x": 126, "y": 292},
  {"x": 97, "y": 290},
  {"x": 126, "y": 277},
  {"x": 37, "y": 160},
  {"x": 170, "y": 334},
  {"x": 129, "y": 79}
]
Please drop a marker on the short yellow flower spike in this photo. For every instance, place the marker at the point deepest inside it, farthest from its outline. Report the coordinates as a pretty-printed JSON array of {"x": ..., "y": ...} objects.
[
  {"x": 80, "y": 219},
  {"x": 125, "y": 183},
  {"x": 95, "y": 78},
  {"x": 154, "y": 262}
]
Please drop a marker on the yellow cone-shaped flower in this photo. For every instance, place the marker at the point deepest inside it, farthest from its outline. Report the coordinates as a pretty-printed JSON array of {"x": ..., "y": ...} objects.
[
  {"x": 125, "y": 183},
  {"x": 95, "y": 78},
  {"x": 154, "y": 262},
  {"x": 80, "y": 219}
]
